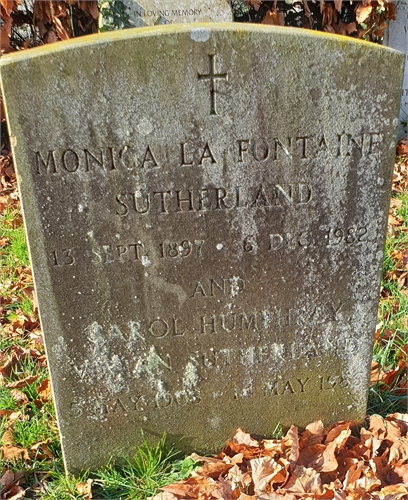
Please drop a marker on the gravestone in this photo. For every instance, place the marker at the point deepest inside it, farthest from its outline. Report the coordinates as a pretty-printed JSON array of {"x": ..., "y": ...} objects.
[
  {"x": 153, "y": 12},
  {"x": 205, "y": 208},
  {"x": 396, "y": 36}
]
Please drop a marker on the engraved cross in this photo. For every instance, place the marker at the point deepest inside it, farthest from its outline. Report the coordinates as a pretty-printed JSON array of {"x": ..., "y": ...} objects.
[{"x": 213, "y": 77}]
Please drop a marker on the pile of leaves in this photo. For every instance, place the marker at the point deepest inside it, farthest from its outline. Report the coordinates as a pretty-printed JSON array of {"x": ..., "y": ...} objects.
[
  {"x": 321, "y": 463},
  {"x": 366, "y": 20},
  {"x": 28, "y": 24}
]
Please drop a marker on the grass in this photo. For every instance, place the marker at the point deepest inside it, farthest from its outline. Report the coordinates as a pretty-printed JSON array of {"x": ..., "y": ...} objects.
[
  {"x": 390, "y": 348},
  {"x": 15, "y": 275},
  {"x": 151, "y": 468},
  {"x": 27, "y": 414}
]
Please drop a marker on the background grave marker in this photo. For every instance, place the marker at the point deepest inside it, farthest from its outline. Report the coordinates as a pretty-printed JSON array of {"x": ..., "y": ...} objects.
[
  {"x": 153, "y": 12},
  {"x": 396, "y": 36}
]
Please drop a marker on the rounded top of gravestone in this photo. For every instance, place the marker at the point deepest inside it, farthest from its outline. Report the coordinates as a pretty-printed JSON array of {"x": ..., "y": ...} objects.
[{"x": 199, "y": 32}]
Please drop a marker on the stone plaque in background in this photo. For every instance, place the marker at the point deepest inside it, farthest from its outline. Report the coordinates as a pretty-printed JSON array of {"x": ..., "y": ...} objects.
[
  {"x": 205, "y": 208},
  {"x": 396, "y": 36},
  {"x": 153, "y": 12}
]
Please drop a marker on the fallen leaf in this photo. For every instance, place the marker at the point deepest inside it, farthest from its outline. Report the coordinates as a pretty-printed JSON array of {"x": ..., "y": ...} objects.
[
  {"x": 84, "y": 489},
  {"x": 12, "y": 492},
  {"x": 402, "y": 473},
  {"x": 19, "y": 397},
  {"x": 365, "y": 483},
  {"x": 263, "y": 470},
  {"x": 192, "y": 487},
  {"x": 7, "y": 439},
  {"x": 242, "y": 437},
  {"x": 329, "y": 459},
  {"x": 399, "y": 452},
  {"x": 14, "y": 453},
  {"x": 44, "y": 390},
  {"x": 255, "y": 3},
  {"x": 312, "y": 456},
  {"x": 42, "y": 450},
  {"x": 212, "y": 467},
  {"x": 363, "y": 12},
  {"x": 291, "y": 442},
  {"x": 22, "y": 383},
  {"x": 164, "y": 495},
  {"x": 274, "y": 17},
  {"x": 392, "y": 492},
  {"x": 336, "y": 429},
  {"x": 304, "y": 480},
  {"x": 313, "y": 434},
  {"x": 7, "y": 478},
  {"x": 241, "y": 480}
]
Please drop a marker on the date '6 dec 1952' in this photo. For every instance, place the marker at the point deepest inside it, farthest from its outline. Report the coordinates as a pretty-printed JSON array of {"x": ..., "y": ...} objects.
[{"x": 334, "y": 238}]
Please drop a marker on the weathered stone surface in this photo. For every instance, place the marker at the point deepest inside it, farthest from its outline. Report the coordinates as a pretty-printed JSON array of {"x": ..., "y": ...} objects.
[
  {"x": 153, "y": 12},
  {"x": 205, "y": 208},
  {"x": 396, "y": 36}
]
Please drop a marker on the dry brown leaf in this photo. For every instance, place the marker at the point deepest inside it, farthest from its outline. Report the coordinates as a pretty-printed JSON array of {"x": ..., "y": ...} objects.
[
  {"x": 92, "y": 7},
  {"x": 19, "y": 397},
  {"x": 274, "y": 17},
  {"x": 329, "y": 458},
  {"x": 42, "y": 450},
  {"x": 392, "y": 492},
  {"x": 312, "y": 456},
  {"x": 402, "y": 147},
  {"x": 213, "y": 468},
  {"x": 363, "y": 12},
  {"x": 313, "y": 434},
  {"x": 394, "y": 430},
  {"x": 224, "y": 491},
  {"x": 84, "y": 489},
  {"x": 44, "y": 390},
  {"x": 5, "y": 28},
  {"x": 347, "y": 28},
  {"x": 242, "y": 437},
  {"x": 402, "y": 473},
  {"x": 404, "y": 258},
  {"x": 11, "y": 478},
  {"x": 304, "y": 480},
  {"x": 7, "y": 439},
  {"x": 255, "y": 3},
  {"x": 164, "y": 495},
  {"x": 12, "y": 492},
  {"x": 379, "y": 466},
  {"x": 23, "y": 382},
  {"x": 7, "y": 478},
  {"x": 272, "y": 446},
  {"x": 60, "y": 30},
  {"x": 399, "y": 452},
  {"x": 241, "y": 480},
  {"x": 354, "y": 472},
  {"x": 291, "y": 443},
  {"x": 14, "y": 453},
  {"x": 192, "y": 487},
  {"x": 377, "y": 427},
  {"x": 271, "y": 496},
  {"x": 263, "y": 470},
  {"x": 365, "y": 483},
  {"x": 336, "y": 429}
]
